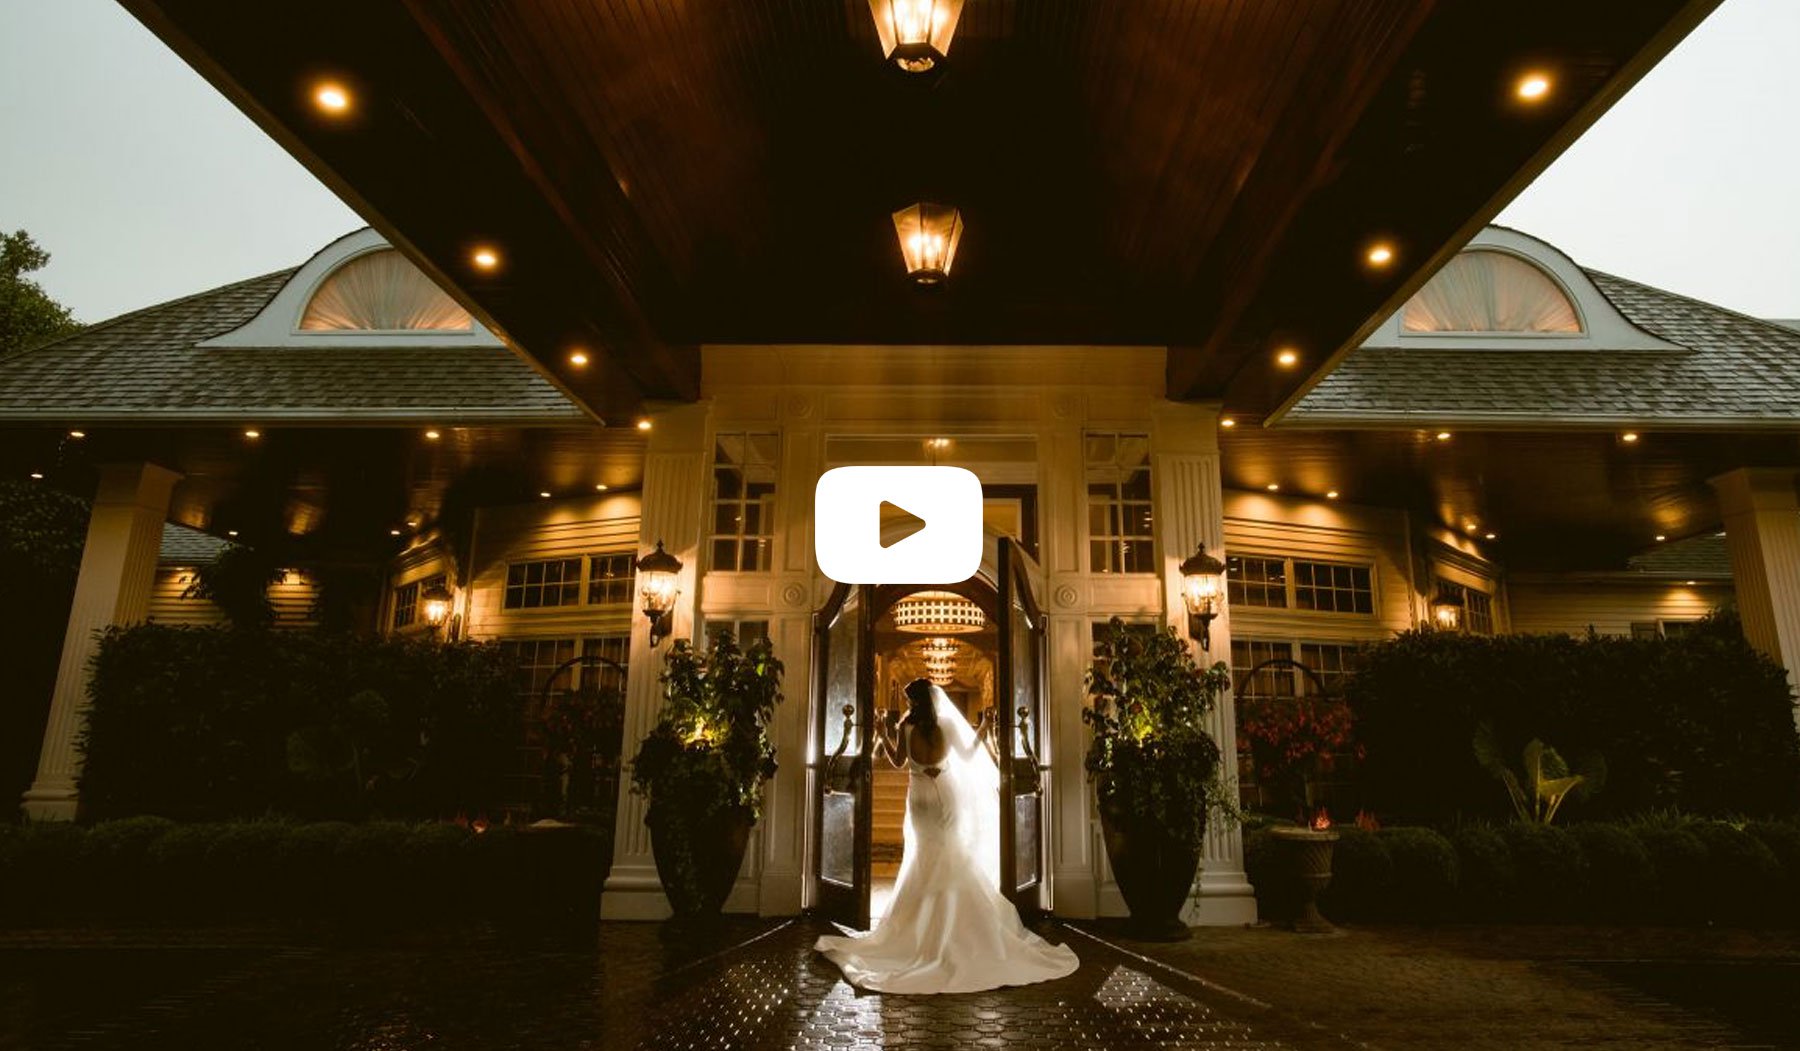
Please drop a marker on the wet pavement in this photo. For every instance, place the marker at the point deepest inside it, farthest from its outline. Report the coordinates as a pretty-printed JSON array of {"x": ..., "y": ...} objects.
[{"x": 756, "y": 984}]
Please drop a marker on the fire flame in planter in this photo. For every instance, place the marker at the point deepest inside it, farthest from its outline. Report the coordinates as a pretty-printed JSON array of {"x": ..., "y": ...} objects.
[{"x": 1321, "y": 820}]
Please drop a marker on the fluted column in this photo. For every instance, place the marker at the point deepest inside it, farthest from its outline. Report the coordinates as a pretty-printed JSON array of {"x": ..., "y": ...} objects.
[
  {"x": 674, "y": 495},
  {"x": 118, "y": 567},
  {"x": 1762, "y": 535},
  {"x": 1188, "y": 506}
]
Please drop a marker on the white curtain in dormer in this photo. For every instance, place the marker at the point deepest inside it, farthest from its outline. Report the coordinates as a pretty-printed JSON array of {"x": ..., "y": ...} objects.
[
  {"x": 382, "y": 292},
  {"x": 1483, "y": 291}
]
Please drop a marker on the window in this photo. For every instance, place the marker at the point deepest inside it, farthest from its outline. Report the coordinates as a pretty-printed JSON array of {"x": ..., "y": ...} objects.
[
  {"x": 743, "y": 500},
  {"x": 1251, "y": 581},
  {"x": 536, "y": 585},
  {"x": 1661, "y": 629},
  {"x": 538, "y": 660},
  {"x": 1478, "y": 606},
  {"x": 406, "y": 605},
  {"x": 1118, "y": 475},
  {"x": 744, "y": 631},
  {"x": 1293, "y": 583},
  {"x": 1332, "y": 662},
  {"x": 610, "y": 578},
  {"x": 382, "y": 292},
  {"x": 1482, "y": 290}
]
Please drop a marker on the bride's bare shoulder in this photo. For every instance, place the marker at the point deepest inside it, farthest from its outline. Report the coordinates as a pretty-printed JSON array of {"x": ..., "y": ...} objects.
[{"x": 927, "y": 747}]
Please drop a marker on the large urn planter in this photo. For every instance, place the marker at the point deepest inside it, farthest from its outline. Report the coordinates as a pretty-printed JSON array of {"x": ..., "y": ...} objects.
[
  {"x": 1155, "y": 874},
  {"x": 1303, "y": 865},
  {"x": 698, "y": 859}
]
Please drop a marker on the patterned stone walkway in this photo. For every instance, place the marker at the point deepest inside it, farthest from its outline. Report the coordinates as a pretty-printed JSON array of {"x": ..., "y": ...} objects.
[{"x": 756, "y": 984}]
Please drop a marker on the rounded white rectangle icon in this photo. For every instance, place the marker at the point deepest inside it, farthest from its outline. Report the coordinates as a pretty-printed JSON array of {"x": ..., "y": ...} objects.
[{"x": 897, "y": 525}]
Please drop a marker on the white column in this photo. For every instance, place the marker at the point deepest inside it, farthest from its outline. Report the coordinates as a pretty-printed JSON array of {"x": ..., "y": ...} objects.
[
  {"x": 1188, "y": 504},
  {"x": 673, "y": 502},
  {"x": 118, "y": 567},
  {"x": 1762, "y": 535}
]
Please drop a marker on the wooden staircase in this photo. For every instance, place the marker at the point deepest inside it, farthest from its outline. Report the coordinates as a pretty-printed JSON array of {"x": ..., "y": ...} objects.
[{"x": 887, "y": 829}]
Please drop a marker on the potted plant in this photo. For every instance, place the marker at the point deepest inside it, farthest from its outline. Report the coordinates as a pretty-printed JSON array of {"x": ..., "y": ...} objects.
[
  {"x": 1155, "y": 768},
  {"x": 1293, "y": 742},
  {"x": 703, "y": 766}
]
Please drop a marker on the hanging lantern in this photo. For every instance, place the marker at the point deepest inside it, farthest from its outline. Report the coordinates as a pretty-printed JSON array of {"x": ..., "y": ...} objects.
[
  {"x": 929, "y": 234},
  {"x": 659, "y": 580},
  {"x": 1202, "y": 588},
  {"x": 938, "y": 613},
  {"x": 915, "y": 34}
]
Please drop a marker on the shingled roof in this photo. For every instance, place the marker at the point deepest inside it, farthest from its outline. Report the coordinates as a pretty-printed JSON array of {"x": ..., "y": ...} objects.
[
  {"x": 1729, "y": 369},
  {"x": 1703, "y": 556},
  {"x": 146, "y": 367}
]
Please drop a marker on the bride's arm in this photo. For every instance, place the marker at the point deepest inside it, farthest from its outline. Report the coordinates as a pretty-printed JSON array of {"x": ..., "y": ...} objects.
[
  {"x": 885, "y": 742},
  {"x": 987, "y": 734}
]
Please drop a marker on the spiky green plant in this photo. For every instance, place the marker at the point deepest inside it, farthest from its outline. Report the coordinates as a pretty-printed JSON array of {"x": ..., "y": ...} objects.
[{"x": 1544, "y": 781}]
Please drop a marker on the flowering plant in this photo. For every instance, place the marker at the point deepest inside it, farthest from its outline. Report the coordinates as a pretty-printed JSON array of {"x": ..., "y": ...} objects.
[{"x": 1294, "y": 741}]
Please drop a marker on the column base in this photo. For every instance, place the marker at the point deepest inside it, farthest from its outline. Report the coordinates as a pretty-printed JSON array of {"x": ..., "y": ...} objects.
[
  {"x": 780, "y": 893},
  {"x": 50, "y": 802},
  {"x": 634, "y": 893},
  {"x": 1226, "y": 900},
  {"x": 1073, "y": 894}
]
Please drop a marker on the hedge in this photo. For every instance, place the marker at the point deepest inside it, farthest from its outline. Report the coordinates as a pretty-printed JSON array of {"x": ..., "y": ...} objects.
[
  {"x": 1665, "y": 869},
  {"x": 1702, "y": 723},
  {"x": 374, "y": 877},
  {"x": 208, "y": 723}
]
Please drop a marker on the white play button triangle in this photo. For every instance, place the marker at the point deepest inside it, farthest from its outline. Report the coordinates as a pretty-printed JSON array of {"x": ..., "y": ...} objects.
[{"x": 893, "y": 515}]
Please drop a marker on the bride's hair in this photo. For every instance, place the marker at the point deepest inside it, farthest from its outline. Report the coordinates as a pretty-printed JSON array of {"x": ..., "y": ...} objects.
[{"x": 923, "y": 713}]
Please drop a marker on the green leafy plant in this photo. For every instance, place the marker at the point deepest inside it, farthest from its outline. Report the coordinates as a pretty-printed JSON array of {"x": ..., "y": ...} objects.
[
  {"x": 1543, "y": 782},
  {"x": 237, "y": 581},
  {"x": 581, "y": 729},
  {"x": 710, "y": 749},
  {"x": 1153, "y": 763}
]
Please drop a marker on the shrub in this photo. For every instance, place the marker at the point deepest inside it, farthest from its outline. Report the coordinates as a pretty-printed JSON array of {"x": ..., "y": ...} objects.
[
  {"x": 215, "y": 722},
  {"x": 1362, "y": 877},
  {"x": 1551, "y": 870},
  {"x": 1488, "y": 876},
  {"x": 1679, "y": 860},
  {"x": 1426, "y": 873},
  {"x": 1743, "y": 875},
  {"x": 1703, "y": 721},
  {"x": 1783, "y": 840},
  {"x": 1620, "y": 878}
]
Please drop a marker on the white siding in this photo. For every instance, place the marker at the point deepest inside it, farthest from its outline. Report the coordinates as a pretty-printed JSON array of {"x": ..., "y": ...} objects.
[
  {"x": 1260, "y": 524},
  {"x": 1572, "y": 605},
  {"x": 293, "y": 597},
  {"x": 552, "y": 529}
]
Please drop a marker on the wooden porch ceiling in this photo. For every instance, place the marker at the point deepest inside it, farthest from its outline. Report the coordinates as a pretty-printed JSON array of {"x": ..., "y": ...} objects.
[{"x": 1200, "y": 174}]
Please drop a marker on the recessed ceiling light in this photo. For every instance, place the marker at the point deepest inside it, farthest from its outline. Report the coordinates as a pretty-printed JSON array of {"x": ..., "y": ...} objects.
[
  {"x": 1380, "y": 254},
  {"x": 1468, "y": 527},
  {"x": 1443, "y": 436},
  {"x": 643, "y": 424},
  {"x": 78, "y": 434},
  {"x": 252, "y": 433},
  {"x": 331, "y": 97},
  {"x": 1629, "y": 436},
  {"x": 1287, "y": 357},
  {"x": 485, "y": 258},
  {"x": 1691, "y": 583},
  {"x": 545, "y": 494},
  {"x": 1331, "y": 494},
  {"x": 1660, "y": 538},
  {"x": 1273, "y": 487},
  {"x": 432, "y": 436},
  {"x": 1490, "y": 536},
  {"x": 37, "y": 476},
  {"x": 393, "y": 532},
  {"x": 1228, "y": 422},
  {"x": 578, "y": 358},
  {"x": 1533, "y": 86},
  {"x": 601, "y": 488},
  {"x": 231, "y": 532}
]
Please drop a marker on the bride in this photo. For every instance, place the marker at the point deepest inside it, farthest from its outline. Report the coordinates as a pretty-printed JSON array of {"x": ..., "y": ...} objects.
[{"x": 949, "y": 929}]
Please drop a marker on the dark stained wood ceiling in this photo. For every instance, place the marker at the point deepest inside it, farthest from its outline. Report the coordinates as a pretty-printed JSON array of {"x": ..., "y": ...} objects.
[{"x": 1201, "y": 174}]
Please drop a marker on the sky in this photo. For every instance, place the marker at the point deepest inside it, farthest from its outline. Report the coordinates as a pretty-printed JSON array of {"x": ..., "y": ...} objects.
[{"x": 146, "y": 185}]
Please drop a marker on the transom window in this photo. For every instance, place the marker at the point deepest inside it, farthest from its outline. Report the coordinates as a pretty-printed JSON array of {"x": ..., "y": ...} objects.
[
  {"x": 1478, "y": 606},
  {"x": 743, "y": 500},
  {"x": 1120, "y": 539},
  {"x": 1269, "y": 582},
  {"x": 1482, "y": 290},
  {"x": 610, "y": 578},
  {"x": 382, "y": 291},
  {"x": 536, "y": 585}
]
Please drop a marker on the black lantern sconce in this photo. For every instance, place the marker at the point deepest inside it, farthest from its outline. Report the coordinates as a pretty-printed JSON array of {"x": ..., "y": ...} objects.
[
  {"x": 436, "y": 602},
  {"x": 1203, "y": 592},
  {"x": 659, "y": 582},
  {"x": 1447, "y": 611}
]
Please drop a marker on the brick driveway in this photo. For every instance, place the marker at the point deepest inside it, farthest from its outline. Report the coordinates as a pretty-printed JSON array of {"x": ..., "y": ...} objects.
[{"x": 755, "y": 984}]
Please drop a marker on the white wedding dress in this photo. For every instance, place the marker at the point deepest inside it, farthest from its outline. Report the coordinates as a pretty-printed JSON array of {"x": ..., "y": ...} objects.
[{"x": 949, "y": 929}]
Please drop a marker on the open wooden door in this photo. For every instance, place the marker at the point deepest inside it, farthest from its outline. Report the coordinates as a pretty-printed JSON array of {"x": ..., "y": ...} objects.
[
  {"x": 844, "y": 682},
  {"x": 1019, "y": 729}
]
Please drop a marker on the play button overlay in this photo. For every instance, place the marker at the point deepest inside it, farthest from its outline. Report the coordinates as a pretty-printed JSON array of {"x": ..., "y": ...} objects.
[{"x": 897, "y": 525}]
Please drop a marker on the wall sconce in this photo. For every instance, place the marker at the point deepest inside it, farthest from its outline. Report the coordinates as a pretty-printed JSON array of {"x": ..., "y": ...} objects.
[
  {"x": 659, "y": 578},
  {"x": 1447, "y": 612},
  {"x": 929, "y": 234},
  {"x": 436, "y": 603},
  {"x": 915, "y": 34},
  {"x": 1202, "y": 590}
]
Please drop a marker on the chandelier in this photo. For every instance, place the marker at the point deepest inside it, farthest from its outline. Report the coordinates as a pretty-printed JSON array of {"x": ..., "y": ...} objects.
[
  {"x": 938, "y": 613},
  {"x": 940, "y": 655}
]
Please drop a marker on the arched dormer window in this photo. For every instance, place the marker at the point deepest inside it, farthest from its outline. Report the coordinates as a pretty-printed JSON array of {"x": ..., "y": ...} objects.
[
  {"x": 1482, "y": 290},
  {"x": 381, "y": 291}
]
